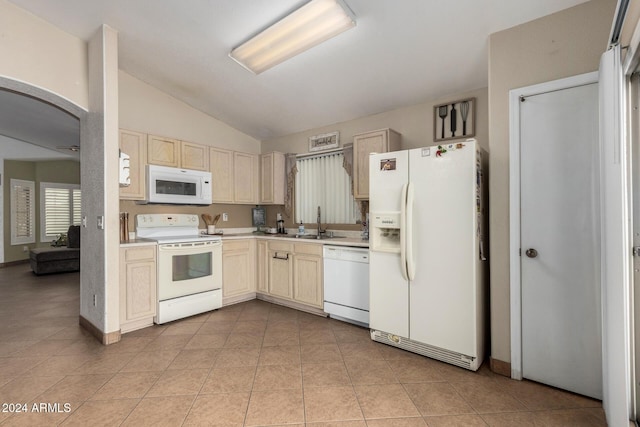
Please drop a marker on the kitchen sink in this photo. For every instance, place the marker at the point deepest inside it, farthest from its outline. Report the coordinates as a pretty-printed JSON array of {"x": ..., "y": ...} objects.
[
  {"x": 305, "y": 236},
  {"x": 315, "y": 237}
]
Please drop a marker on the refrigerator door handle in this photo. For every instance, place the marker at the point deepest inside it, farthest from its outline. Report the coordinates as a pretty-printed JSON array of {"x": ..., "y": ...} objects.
[
  {"x": 403, "y": 232},
  {"x": 411, "y": 265}
]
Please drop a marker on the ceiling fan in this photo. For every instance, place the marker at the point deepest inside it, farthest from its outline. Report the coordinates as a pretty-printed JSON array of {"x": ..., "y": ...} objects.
[{"x": 74, "y": 148}]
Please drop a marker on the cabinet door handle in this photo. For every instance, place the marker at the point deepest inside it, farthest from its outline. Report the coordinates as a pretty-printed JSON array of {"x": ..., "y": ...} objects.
[{"x": 286, "y": 258}]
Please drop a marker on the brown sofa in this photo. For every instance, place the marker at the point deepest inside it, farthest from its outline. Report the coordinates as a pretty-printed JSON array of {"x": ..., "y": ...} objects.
[{"x": 58, "y": 259}]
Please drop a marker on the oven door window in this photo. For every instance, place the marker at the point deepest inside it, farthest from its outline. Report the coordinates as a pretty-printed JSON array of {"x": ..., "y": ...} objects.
[
  {"x": 176, "y": 188},
  {"x": 187, "y": 267}
]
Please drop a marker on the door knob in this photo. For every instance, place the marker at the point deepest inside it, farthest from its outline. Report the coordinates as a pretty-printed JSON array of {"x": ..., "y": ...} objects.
[{"x": 531, "y": 253}]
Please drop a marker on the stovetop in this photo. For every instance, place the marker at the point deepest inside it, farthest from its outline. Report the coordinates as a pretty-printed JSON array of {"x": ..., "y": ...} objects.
[{"x": 171, "y": 228}]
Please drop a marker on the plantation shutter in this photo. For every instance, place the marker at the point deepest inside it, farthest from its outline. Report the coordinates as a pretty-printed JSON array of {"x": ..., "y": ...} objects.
[
  {"x": 22, "y": 211},
  {"x": 60, "y": 208}
]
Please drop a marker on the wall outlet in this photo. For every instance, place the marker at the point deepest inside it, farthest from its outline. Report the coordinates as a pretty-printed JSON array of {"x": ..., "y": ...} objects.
[
  {"x": 25, "y": 249},
  {"x": 95, "y": 300},
  {"x": 225, "y": 217}
]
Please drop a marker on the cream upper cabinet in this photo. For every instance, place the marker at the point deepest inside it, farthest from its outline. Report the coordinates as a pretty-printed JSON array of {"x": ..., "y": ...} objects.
[
  {"x": 379, "y": 141},
  {"x": 137, "y": 287},
  {"x": 238, "y": 267},
  {"x": 234, "y": 176},
  {"x": 221, "y": 162},
  {"x": 245, "y": 177},
  {"x": 273, "y": 182},
  {"x": 194, "y": 156},
  {"x": 134, "y": 144},
  {"x": 174, "y": 153},
  {"x": 307, "y": 274},
  {"x": 263, "y": 266},
  {"x": 163, "y": 151}
]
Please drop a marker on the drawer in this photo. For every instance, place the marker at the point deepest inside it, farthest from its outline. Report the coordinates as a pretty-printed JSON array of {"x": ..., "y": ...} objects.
[
  {"x": 308, "y": 248},
  {"x": 236, "y": 245},
  {"x": 144, "y": 253},
  {"x": 280, "y": 246}
]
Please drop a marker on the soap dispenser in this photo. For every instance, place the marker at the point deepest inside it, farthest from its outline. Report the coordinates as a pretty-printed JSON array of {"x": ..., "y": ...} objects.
[
  {"x": 301, "y": 228},
  {"x": 280, "y": 224}
]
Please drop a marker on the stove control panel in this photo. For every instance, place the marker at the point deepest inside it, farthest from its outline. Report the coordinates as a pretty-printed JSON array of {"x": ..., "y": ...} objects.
[{"x": 166, "y": 220}]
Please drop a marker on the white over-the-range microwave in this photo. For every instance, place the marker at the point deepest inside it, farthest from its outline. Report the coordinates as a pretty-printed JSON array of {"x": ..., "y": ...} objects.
[{"x": 177, "y": 186}]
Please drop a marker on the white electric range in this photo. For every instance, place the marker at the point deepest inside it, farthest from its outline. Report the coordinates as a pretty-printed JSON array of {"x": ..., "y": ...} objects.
[{"x": 189, "y": 265}]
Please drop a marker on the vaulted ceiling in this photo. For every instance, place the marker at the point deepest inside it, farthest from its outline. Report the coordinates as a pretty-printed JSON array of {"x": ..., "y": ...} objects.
[{"x": 400, "y": 53}]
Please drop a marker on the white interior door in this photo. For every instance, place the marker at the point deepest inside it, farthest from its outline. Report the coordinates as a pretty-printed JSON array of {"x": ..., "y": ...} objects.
[
  {"x": 560, "y": 246},
  {"x": 635, "y": 183}
]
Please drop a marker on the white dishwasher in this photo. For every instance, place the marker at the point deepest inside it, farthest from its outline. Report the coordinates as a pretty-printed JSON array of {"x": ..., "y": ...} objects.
[{"x": 346, "y": 283}]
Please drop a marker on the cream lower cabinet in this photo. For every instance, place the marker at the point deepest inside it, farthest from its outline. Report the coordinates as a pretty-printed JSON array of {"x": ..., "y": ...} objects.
[
  {"x": 307, "y": 274},
  {"x": 238, "y": 270},
  {"x": 263, "y": 266},
  {"x": 291, "y": 272},
  {"x": 280, "y": 270},
  {"x": 137, "y": 287}
]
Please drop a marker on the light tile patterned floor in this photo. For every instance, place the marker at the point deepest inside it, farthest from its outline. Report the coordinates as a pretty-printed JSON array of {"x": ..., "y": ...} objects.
[{"x": 251, "y": 364}]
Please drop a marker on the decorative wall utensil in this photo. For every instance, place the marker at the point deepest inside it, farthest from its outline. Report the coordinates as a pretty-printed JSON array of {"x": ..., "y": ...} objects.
[
  {"x": 454, "y": 119},
  {"x": 443, "y": 111},
  {"x": 464, "y": 112},
  {"x": 461, "y": 111}
]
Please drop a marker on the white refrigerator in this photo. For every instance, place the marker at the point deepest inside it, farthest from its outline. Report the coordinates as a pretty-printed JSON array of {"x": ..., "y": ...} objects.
[{"x": 427, "y": 252}]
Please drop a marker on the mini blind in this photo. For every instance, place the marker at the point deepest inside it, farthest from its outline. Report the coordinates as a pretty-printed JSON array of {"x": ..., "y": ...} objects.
[
  {"x": 22, "y": 211},
  {"x": 322, "y": 181},
  {"x": 60, "y": 207}
]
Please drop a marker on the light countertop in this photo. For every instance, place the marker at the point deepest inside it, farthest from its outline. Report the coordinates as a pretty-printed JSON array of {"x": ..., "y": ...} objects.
[
  {"x": 138, "y": 242},
  {"x": 338, "y": 241}
]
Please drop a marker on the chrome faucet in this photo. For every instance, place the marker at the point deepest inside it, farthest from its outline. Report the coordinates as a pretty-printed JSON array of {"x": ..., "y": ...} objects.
[{"x": 320, "y": 230}]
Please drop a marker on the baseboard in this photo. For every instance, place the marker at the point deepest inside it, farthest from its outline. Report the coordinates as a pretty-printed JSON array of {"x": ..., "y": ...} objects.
[
  {"x": 291, "y": 304},
  {"x": 238, "y": 299},
  {"x": 104, "y": 338},
  {"x": 12, "y": 263},
  {"x": 500, "y": 367}
]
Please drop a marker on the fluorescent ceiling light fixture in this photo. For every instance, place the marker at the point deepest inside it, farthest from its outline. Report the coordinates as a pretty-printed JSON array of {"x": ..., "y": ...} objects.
[{"x": 308, "y": 26}]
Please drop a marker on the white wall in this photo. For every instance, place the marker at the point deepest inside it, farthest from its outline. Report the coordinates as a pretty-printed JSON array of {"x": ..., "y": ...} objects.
[
  {"x": 146, "y": 109},
  {"x": 99, "y": 274},
  {"x": 34, "y": 51},
  {"x": 12, "y": 149},
  {"x": 2, "y": 180},
  {"x": 560, "y": 45},
  {"x": 414, "y": 123}
]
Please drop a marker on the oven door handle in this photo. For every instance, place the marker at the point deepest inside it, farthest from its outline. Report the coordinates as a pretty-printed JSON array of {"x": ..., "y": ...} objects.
[{"x": 189, "y": 246}]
